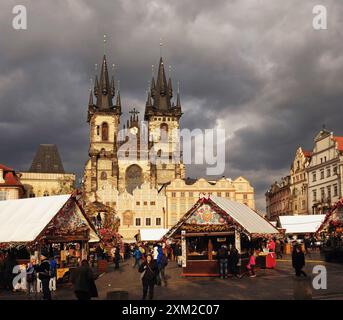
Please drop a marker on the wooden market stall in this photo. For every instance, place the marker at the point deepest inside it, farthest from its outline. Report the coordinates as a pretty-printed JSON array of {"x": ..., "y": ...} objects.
[
  {"x": 55, "y": 225},
  {"x": 214, "y": 221},
  {"x": 331, "y": 233}
]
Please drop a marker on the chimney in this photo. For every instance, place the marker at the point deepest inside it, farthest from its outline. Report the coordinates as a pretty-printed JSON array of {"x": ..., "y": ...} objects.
[{"x": 2, "y": 176}]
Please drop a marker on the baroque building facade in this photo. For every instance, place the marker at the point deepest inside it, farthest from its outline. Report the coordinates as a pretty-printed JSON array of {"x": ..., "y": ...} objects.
[
  {"x": 299, "y": 182},
  {"x": 325, "y": 172},
  {"x": 315, "y": 181},
  {"x": 136, "y": 168},
  {"x": 278, "y": 199}
]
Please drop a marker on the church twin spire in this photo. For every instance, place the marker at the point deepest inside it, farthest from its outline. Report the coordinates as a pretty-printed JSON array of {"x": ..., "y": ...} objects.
[
  {"x": 104, "y": 92},
  {"x": 161, "y": 92},
  {"x": 158, "y": 101}
]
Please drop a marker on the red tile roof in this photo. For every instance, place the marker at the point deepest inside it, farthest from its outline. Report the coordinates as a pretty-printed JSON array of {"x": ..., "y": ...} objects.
[
  {"x": 339, "y": 141},
  {"x": 5, "y": 168},
  {"x": 10, "y": 177}
]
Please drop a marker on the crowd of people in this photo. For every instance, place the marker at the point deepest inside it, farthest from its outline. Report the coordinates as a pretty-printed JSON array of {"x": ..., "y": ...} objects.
[{"x": 151, "y": 261}]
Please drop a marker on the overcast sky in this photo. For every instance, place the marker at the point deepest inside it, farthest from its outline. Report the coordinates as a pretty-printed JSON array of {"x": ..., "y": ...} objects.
[{"x": 254, "y": 67}]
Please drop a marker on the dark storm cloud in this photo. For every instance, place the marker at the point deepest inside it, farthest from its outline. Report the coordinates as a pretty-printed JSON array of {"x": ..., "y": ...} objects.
[{"x": 256, "y": 68}]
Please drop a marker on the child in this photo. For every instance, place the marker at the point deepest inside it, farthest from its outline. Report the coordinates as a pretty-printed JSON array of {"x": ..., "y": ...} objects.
[{"x": 252, "y": 263}]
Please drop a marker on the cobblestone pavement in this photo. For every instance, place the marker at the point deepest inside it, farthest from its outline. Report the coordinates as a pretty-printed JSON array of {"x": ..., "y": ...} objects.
[{"x": 269, "y": 284}]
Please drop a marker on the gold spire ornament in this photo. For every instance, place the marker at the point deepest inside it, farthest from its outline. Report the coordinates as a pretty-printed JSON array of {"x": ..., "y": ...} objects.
[{"x": 105, "y": 41}]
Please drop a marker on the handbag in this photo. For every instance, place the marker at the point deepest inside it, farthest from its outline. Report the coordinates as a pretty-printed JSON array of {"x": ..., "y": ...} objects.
[{"x": 142, "y": 274}]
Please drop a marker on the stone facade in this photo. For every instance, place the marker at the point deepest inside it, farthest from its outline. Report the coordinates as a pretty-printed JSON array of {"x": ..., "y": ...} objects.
[
  {"x": 324, "y": 172},
  {"x": 299, "y": 182},
  {"x": 278, "y": 199}
]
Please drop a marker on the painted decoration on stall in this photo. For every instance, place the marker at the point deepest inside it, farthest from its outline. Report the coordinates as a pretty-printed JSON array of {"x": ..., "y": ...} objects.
[
  {"x": 206, "y": 215},
  {"x": 67, "y": 221}
]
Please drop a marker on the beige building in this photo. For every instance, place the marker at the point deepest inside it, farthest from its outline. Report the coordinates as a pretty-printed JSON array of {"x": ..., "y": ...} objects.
[
  {"x": 46, "y": 175},
  {"x": 183, "y": 194},
  {"x": 299, "y": 182}
]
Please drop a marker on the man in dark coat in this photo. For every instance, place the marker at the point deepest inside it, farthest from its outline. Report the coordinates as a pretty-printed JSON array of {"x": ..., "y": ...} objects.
[
  {"x": 298, "y": 261},
  {"x": 223, "y": 256},
  {"x": 117, "y": 257},
  {"x": 84, "y": 284},
  {"x": 44, "y": 276},
  {"x": 233, "y": 261},
  {"x": 149, "y": 271},
  {"x": 9, "y": 263}
]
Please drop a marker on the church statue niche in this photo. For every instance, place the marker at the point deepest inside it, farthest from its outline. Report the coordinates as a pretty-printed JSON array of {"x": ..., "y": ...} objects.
[{"x": 133, "y": 177}]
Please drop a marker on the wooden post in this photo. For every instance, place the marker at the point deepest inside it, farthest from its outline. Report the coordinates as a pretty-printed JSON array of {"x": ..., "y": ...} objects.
[
  {"x": 238, "y": 244},
  {"x": 183, "y": 248},
  {"x": 210, "y": 249}
]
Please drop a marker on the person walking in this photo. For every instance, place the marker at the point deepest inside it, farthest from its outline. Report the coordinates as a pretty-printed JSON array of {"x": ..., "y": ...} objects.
[
  {"x": 137, "y": 254},
  {"x": 162, "y": 262},
  {"x": 44, "y": 276},
  {"x": 298, "y": 261},
  {"x": 155, "y": 251},
  {"x": 53, "y": 273},
  {"x": 31, "y": 276},
  {"x": 117, "y": 257},
  {"x": 233, "y": 261},
  {"x": 9, "y": 263},
  {"x": 149, "y": 271},
  {"x": 252, "y": 263},
  {"x": 83, "y": 281},
  {"x": 223, "y": 256},
  {"x": 278, "y": 249}
]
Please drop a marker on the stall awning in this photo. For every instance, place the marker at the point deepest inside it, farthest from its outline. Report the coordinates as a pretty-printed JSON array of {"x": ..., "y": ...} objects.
[
  {"x": 302, "y": 223},
  {"x": 246, "y": 217},
  {"x": 23, "y": 220},
  {"x": 152, "y": 234}
]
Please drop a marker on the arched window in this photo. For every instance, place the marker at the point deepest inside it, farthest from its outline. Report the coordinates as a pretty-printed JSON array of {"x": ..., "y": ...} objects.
[
  {"x": 133, "y": 177},
  {"x": 98, "y": 130},
  {"x": 104, "y": 131},
  {"x": 164, "y": 131},
  {"x": 103, "y": 175},
  {"x": 46, "y": 194}
]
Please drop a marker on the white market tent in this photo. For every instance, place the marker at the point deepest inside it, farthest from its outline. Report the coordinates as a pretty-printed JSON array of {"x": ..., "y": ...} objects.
[
  {"x": 155, "y": 234},
  {"x": 302, "y": 223},
  {"x": 23, "y": 220}
]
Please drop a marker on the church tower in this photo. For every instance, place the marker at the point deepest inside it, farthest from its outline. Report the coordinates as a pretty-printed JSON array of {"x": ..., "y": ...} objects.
[
  {"x": 163, "y": 118},
  {"x": 103, "y": 118}
]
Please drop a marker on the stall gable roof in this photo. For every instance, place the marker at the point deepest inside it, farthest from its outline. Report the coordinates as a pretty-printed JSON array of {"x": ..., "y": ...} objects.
[
  {"x": 155, "y": 234},
  {"x": 24, "y": 219},
  {"x": 301, "y": 224},
  {"x": 246, "y": 217},
  {"x": 251, "y": 221}
]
